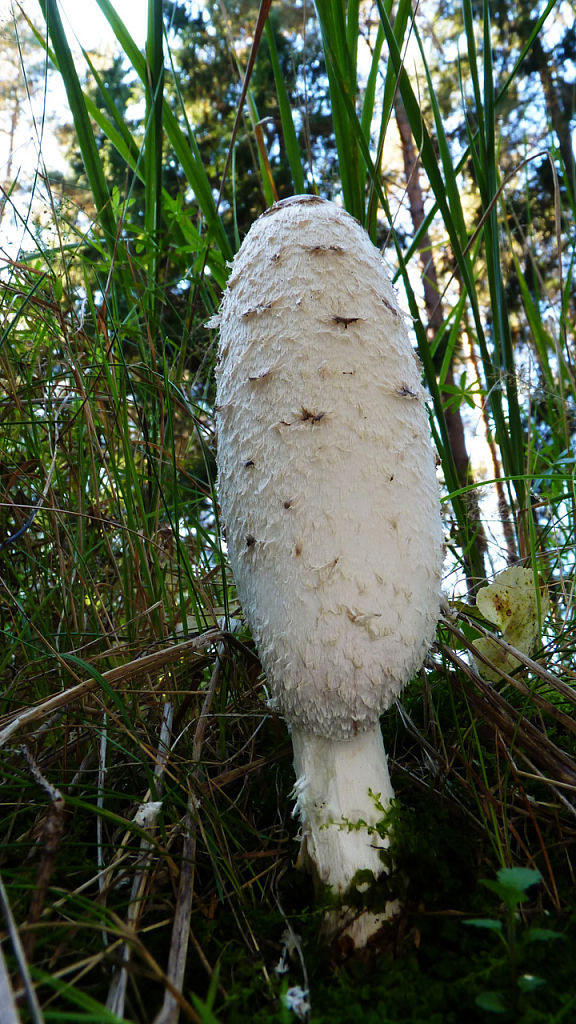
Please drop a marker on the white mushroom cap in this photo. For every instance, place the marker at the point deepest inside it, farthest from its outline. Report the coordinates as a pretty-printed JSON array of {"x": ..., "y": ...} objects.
[{"x": 327, "y": 476}]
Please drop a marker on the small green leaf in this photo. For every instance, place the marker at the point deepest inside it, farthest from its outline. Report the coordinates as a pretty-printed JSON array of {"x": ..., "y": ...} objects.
[
  {"x": 528, "y": 982},
  {"x": 520, "y": 879},
  {"x": 542, "y": 935},
  {"x": 509, "y": 895},
  {"x": 512, "y": 885},
  {"x": 485, "y": 922},
  {"x": 491, "y": 1001}
]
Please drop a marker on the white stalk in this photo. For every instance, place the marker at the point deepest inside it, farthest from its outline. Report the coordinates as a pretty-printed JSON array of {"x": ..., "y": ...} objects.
[
  {"x": 343, "y": 791},
  {"x": 342, "y": 788}
]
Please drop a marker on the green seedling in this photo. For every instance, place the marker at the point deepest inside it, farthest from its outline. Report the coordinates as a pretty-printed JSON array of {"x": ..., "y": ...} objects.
[{"x": 512, "y": 888}]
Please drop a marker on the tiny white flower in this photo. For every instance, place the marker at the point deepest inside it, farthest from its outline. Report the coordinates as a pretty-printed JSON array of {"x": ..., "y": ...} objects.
[
  {"x": 147, "y": 814},
  {"x": 296, "y": 999}
]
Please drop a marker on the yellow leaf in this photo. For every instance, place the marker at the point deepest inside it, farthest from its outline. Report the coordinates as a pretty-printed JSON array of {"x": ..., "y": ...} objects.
[{"x": 513, "y": 604}]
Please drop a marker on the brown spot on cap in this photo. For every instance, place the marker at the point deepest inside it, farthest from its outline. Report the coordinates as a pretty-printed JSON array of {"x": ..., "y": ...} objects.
[
  {"x": 313, "y": 417},
  {"x": 345, "y": 321}
]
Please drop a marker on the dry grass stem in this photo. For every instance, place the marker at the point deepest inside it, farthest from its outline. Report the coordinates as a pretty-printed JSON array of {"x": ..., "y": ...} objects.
[
  {"x": 133, "y": 670},
  {"x": 28, "y": 986},
  {"x": 146, "y": 817},
  {"x": 170, "y": 1011}
]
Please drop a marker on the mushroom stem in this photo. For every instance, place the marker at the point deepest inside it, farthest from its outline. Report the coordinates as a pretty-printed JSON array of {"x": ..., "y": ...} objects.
[{"x": 342, "y": 790}]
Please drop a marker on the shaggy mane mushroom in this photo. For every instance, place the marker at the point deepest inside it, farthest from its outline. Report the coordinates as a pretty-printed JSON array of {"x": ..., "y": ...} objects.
[{"x": 329, "y": 497}]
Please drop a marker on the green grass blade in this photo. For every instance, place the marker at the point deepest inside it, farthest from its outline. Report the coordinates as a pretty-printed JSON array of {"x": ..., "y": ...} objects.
[
  {"x": 446, "y": 193},
  {"x": 340, "y": 69},
  {"x": 86, "y": 141},
  {"x": 286, "y": 117},
  {"x": 185, "y": 146},
  {"x": 154, "y": 87},
  {"x": 117, "y": 132}
]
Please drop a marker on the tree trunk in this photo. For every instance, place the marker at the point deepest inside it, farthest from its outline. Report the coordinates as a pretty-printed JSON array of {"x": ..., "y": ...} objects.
[
  {"x": 560, "y": 114},
  {"x": 435, "y": 316}
]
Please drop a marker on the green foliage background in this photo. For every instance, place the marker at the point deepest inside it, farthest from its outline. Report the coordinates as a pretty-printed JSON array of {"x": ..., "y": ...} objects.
[{"x": 148, "y": 851}]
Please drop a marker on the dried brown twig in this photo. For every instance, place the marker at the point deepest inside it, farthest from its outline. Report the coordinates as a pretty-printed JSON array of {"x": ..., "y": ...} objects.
[
  {"x": 522, "y": 735},
  {"x": 7, "y": 1003},
  {"x": 131, "y": 670},
  {"x": 146, "y": 816},
  {"x": 170, "y": 1011},
  {"x": 50, "y": 839}
]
